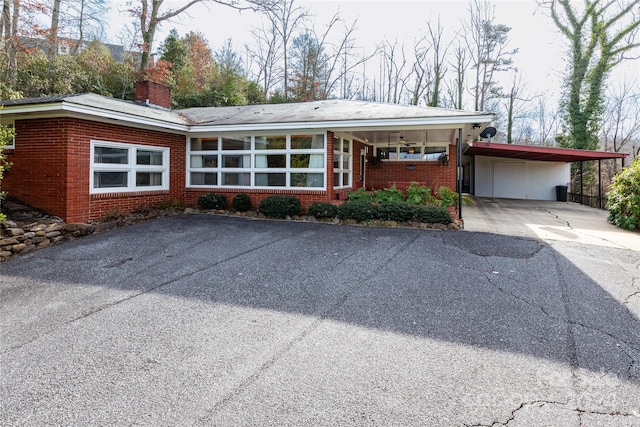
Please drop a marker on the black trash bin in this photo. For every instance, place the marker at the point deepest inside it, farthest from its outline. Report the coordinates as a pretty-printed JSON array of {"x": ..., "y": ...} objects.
[{"x": 561, "y": 193}]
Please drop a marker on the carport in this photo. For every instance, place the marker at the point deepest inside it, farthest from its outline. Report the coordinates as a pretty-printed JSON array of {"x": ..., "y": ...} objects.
[{"x": 530, "y": 172}]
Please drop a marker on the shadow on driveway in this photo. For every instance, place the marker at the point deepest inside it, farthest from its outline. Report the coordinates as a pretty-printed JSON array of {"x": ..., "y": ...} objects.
[{"x": 473, "y": 291}]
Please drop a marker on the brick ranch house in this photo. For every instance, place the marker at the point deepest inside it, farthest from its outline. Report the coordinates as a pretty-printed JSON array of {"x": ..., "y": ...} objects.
[{"x": 81, "y": 157}]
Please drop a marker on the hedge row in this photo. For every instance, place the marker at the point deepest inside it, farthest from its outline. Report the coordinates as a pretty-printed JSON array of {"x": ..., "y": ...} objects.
[{"x": 360, "y": 210}]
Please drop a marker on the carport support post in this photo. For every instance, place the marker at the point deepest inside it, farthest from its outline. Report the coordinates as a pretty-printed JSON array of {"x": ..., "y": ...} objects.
[
  {"x": 600, "y": 183},
  {"x": 459, "y": 176}
]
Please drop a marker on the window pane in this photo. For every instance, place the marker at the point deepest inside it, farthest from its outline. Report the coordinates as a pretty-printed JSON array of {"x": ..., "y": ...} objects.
[
  {"x": 337, "y": 144},
  {"x": 239, "y": 143},
  {"x": 148, "y": 179},
  {"x": 109, "y": 179},
  {"x": 271, "y": 161},
  {"x": 202, "y": 178},
  {"x": 198, "y": 144},
  {"x": 336, "y": 161},
  {"x": 238, "y": 161},
  {"x": 432, "y": 153},
  {"x": 345, "y": 179},
  {"x": 271, "y": 179},
  {"x": 148, "y": 157},
  {"x": 271, "y": 142},
  {"x": 346, "y": 146},
  {"x": 383, "y": 153},
  {"x": 300, "y": 160},
  {"x": 204, "y": 161},
  {"x": 110, "y": 155},
  {"x": 234, "y": 178},
  {"x": 336, "y": 180},
  {"x": 409, "y": 153},
  {"x": 307, "y": 180},
  {"x": 305, "y": 142},
  {"x": 345, "y": 162}
]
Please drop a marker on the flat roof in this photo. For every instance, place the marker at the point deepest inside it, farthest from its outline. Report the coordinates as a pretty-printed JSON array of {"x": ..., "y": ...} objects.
[{"x": 535, "y": 152}]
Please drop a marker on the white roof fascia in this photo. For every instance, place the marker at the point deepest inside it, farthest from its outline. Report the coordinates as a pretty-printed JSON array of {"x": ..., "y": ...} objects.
[
  {"x": 124, "y": 117},
  {"x": 90, "y": 112},
  {"x": 370, "y": 124}
]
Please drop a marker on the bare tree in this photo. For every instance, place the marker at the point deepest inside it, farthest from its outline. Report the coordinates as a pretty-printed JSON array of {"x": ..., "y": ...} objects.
[
  {"x": 621, "y": 119},
  {"x": 515, "y": 104},
  {"x": 487, "y": 44},
  {"x": 548, "y": 123},
  {"x": 285, "y": 19},
  {"x": 456, "y": 87},
  {"x": 392, "y": 65},
  {"x": 266, "y": 54},
  {"x": 438, "y": 69},
  {"x": 150, "y": 15}
]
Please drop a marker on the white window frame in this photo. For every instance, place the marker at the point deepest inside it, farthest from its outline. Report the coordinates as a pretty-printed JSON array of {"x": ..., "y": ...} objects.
[
  {"x": 253, "y": 169},
  {"x": 343, "y": 155},
  {"x": 131, "y": 168},
  {"x": 12, "y": 144}
]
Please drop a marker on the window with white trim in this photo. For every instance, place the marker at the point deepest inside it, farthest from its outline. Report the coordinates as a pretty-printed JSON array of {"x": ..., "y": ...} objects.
[
  {"x": 118, "y": 167},
  {"x": 430, "y": 153},
  {"x": 342, "y": 170},
  {"x": 10, "y": 144},
  {"x": 257, "y": 161}
]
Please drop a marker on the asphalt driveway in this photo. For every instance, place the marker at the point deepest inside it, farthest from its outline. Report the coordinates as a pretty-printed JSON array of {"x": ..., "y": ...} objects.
[{"x": 211, "y": 320}]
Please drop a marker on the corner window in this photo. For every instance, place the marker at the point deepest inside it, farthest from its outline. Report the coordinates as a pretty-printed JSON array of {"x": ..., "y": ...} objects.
[
  {"x": 128, "y": 167},
  {"x": 257, "y": 161},
  {"x": 342, "y": 172}
]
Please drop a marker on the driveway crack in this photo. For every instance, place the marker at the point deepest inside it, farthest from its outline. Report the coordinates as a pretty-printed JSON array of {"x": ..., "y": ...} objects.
[{"x": 245, "y": 383}]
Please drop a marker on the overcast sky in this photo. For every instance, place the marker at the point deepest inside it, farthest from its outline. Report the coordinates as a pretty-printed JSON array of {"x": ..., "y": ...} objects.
[{"x": 541, "y": 50}]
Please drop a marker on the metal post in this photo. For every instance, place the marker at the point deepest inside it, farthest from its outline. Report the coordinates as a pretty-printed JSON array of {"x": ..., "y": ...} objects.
[
  {"x": 581, "y": 182},
  {"x": 600, "y": 183},
  {"x": 459, "y": 176}
]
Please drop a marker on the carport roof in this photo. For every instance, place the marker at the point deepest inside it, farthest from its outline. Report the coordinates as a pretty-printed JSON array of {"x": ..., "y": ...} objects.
[{"x": 534, "y": 152}]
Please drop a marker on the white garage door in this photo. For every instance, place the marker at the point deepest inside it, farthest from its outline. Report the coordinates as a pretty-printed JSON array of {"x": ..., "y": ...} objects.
[{"x": 509, "y": 180}]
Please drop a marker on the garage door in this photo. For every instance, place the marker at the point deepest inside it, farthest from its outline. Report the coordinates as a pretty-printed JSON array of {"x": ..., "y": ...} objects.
[{"x": 509, "y": 180}]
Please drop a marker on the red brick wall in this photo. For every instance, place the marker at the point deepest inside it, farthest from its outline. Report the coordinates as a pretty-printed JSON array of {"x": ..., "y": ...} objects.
[
  {"x": 432, "y": 173},
  {"x": 52, "y": 166}
]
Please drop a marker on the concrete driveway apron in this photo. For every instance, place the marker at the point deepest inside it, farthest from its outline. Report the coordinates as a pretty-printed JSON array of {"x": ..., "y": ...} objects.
[{"x": 211, "y": 320}]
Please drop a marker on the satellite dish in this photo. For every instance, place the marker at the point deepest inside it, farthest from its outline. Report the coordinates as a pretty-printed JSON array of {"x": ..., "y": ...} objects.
[{"x": 488, "y": 132}]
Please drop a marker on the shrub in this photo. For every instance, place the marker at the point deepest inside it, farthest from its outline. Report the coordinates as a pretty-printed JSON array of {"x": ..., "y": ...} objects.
[
  {"x": 624, "y": 198},
  {"x": 388, "y": 195},
  {"x": 448, "y": 197},
  {"x": 323, "y": 210},
  {"x": 241, "y": 203},
  {"x": 358, "y": 210},
  {"x": 212, "y": 201},
  {"x": 280, "y": 206},
  {"x": 396, "y": 211},
  {"x": 419, "y": 194},
  {"x": 360, "y": 194},
  {"x": 433, "y": 215}
]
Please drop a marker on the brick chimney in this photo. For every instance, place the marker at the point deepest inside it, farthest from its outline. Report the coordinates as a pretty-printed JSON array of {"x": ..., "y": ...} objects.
[{"x": 153, "y": 94}]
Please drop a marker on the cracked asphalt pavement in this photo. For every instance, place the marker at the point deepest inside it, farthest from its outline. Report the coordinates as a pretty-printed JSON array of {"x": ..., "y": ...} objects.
[{"x": 213, "y": 320}]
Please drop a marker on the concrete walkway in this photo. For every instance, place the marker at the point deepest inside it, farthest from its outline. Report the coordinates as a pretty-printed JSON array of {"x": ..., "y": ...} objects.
[{"x": 547, "y": 221}]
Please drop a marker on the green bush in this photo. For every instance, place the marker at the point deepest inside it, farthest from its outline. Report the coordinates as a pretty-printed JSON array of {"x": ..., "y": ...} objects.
[
  {"x": 280, "y": 206},
  {"x": 358, "y": 210},
  {"x": 624, "y": 198},
  {"x": 448, "y": 197},
  {"x": 360, "y": 194},
  {"x": 241, "y": 203},
  {"x": 323, "y": 210},
  {"x": 388, "y": 195},
  {"x": 433, "y": 215},
  {"x": 419, "y": 194},
  {"x": 396, "y": 211},
  {"x": 212, "y": 201}
]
